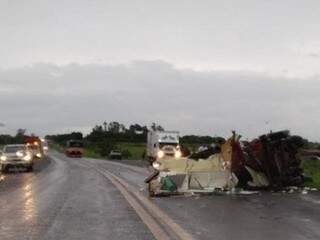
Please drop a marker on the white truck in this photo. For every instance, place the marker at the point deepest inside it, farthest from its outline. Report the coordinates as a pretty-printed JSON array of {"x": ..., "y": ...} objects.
[{"x": 163, "y": 144}]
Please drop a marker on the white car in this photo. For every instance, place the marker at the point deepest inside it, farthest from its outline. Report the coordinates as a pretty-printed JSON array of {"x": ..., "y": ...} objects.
[
  {"x": 16, "y": 155},
  {"x": 115, "y": 154}
]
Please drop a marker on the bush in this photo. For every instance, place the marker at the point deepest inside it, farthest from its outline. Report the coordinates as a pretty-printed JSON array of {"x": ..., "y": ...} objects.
[
  {"x": 104, "y": 147},
  {"x": 126, "y": 154}
]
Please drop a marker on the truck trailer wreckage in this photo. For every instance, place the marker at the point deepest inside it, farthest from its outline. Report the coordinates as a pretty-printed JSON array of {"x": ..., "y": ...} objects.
[{"x": 271, "y": 161}]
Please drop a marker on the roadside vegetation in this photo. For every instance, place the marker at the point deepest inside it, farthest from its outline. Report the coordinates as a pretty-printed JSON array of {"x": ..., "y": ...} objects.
[{"x": 311, "y": 168}]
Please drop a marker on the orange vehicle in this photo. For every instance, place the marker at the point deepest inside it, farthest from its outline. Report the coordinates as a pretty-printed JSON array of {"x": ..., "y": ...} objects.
[
  {"x": 35, "y": 144},
  {"x": 74, "y": 148}
]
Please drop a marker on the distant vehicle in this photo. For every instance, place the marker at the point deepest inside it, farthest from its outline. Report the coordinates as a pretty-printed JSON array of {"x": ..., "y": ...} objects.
[
  {"x": 74, "y": 148},
  {"x": 45, "y": 147},
  {"x": 115, "y": 154},
  {"x": 36, "y": 145},
  {"x": 163, "y": 144},
  {"x": 16, "y": 155}
]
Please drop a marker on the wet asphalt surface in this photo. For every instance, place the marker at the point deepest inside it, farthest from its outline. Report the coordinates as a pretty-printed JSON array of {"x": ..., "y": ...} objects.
[{"x": 62, "y": 199}]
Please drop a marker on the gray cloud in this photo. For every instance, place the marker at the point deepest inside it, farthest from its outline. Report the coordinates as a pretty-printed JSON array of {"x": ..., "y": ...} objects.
[
  {"x": 47, "y": 98},
  {"x": 209, "y": 34},
  {"x": 314, "y": 55}
]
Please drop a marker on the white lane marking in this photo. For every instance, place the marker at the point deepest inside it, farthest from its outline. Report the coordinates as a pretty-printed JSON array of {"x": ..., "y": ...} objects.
[
  {"x": 148, "y": 220},
  {"x": 152, "y": 208}
]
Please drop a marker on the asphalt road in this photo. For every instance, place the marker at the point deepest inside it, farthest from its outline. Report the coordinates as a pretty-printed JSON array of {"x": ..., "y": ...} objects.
[{"x": 68, "y": 198}]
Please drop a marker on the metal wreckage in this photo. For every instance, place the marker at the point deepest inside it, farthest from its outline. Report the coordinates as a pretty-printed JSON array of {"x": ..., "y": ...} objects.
[{"x": 268, "y": 162}]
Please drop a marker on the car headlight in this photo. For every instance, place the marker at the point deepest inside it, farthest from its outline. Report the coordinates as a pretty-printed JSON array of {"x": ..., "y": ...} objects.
[
  {"x": 3, "y": 158},
  {"x": 38, "y": 155},
  {"x": 177, "y": 154},
  {"x": 160, "y": 154},
  {"x": 19, "y": 154},
  {"x": 156, "y": 165},
  {"x": 27, "y": 157}
]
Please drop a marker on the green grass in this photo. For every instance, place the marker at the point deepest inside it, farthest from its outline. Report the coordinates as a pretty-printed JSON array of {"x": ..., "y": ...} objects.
[
  {"x": 136, "y": 150},
  {"x": 91, "y": 153},
  {"x": 56, "y": 147},
  {"x": 312, "y": 168}
]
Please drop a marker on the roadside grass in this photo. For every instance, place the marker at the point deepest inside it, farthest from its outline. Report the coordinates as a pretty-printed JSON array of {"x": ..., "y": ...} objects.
[
  {"x": 136, "y": 150},
  {"x": 56, "y": 147},
  {"x": 311, "y": 167},
  {"x": 91, "y": 153},
  {"x": 133, "y": 150}
]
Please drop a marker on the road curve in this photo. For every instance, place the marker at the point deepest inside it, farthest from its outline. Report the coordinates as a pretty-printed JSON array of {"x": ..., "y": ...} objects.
[{"x": 73, "y": 199}]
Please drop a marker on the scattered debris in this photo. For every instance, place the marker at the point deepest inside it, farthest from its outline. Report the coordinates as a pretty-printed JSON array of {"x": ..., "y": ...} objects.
[{"x": 275, "y": 157}]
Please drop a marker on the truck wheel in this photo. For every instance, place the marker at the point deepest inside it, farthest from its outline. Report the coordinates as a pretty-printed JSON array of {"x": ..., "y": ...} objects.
[
  {"x": 30, "y": 168},
  {"x": 4, "y": 168},
  {"x": 151, "y": 160}
]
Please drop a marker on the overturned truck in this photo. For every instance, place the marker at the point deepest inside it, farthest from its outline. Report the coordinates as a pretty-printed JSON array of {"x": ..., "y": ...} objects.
[{"x": 268, "y": 162}]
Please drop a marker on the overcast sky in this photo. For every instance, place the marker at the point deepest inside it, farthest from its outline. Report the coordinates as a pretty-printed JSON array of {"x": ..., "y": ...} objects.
[{"x": 202, "y": 67}]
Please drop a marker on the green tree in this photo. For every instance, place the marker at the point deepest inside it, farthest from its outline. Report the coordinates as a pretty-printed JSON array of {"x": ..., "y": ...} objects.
[{"x": 114, "y": 127}]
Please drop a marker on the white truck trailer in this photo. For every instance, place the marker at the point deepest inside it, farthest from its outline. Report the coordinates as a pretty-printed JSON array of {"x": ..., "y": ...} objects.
[{"x": 163, "y": 144}]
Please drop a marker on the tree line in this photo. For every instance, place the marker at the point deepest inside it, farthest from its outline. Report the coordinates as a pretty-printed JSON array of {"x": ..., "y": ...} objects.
[
  {"x": 107, "y": 136},
  {"x": 18, "y": 138},
  {"x": 118, "y": 132}
]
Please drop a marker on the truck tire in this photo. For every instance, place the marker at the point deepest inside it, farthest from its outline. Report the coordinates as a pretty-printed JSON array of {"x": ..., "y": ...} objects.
[
  {"x": 151, "y": 160},
  {"x": 30, "y": 168},
  {"x": 4, "y": 168}
]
